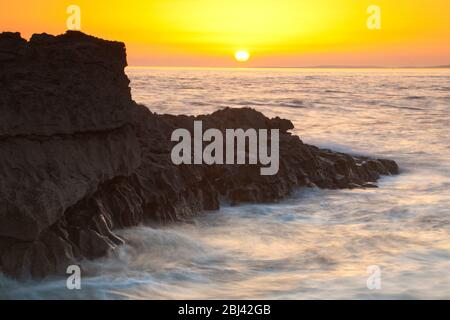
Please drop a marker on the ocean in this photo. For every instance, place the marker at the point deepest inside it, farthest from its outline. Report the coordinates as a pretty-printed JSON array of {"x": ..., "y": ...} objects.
[{"x": 316, "y": 244}]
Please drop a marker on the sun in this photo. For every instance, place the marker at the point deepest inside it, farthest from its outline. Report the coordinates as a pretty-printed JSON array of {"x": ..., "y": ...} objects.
[{"x": 242, "y": 56}]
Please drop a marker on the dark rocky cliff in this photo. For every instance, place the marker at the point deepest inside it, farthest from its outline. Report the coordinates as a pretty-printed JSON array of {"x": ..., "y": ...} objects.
[{"x": 78, "y": 158}]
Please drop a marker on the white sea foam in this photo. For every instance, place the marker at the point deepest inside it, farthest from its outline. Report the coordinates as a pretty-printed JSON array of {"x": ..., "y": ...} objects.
[{"x": 317, "y": 243}]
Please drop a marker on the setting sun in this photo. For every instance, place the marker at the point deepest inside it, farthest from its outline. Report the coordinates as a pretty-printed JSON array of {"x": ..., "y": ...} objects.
[{"x": 242, "y": 56}]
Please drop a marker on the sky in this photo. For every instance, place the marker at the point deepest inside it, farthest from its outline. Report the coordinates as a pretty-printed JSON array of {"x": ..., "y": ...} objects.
[{"x": 276, "y": 33}]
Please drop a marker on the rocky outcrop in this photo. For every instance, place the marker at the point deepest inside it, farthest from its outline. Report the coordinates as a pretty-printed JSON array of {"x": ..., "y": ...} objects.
[
  {"x": 80, "y": 159},
  {"x": 66, "y": 128},
  {"x": 62, "y": 85}
]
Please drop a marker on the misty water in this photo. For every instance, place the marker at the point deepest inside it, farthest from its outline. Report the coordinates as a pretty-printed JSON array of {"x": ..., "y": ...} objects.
[{"x": 316, "y": 243}]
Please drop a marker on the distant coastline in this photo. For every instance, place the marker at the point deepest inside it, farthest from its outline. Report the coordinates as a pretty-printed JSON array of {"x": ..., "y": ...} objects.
[{"x": 377, "y": 67}]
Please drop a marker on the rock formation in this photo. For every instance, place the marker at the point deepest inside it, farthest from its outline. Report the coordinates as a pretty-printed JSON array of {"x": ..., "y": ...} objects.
[{"x": 79, "y": 158}]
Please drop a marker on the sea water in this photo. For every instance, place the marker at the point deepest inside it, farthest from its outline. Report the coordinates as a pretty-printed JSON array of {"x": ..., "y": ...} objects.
[{"x": 317, "y": 243}]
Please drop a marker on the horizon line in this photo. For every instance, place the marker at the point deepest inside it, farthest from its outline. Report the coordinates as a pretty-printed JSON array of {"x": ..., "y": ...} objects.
[{"x": 295, "y": 67}]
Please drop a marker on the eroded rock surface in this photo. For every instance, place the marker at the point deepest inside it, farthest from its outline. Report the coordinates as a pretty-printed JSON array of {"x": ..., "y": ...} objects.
[{"x": 80, "y": 159}]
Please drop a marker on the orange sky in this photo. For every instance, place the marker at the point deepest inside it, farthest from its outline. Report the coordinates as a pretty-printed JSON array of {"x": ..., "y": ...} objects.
[{"x": 284, "y": 33}]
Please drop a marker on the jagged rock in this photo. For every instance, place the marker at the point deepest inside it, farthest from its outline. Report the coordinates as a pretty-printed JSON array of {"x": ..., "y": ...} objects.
[{"x": 80, "y": 159}]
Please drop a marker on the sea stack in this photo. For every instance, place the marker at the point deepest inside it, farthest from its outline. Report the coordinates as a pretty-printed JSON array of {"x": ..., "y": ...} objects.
[{"x": 80, "y": 159}]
